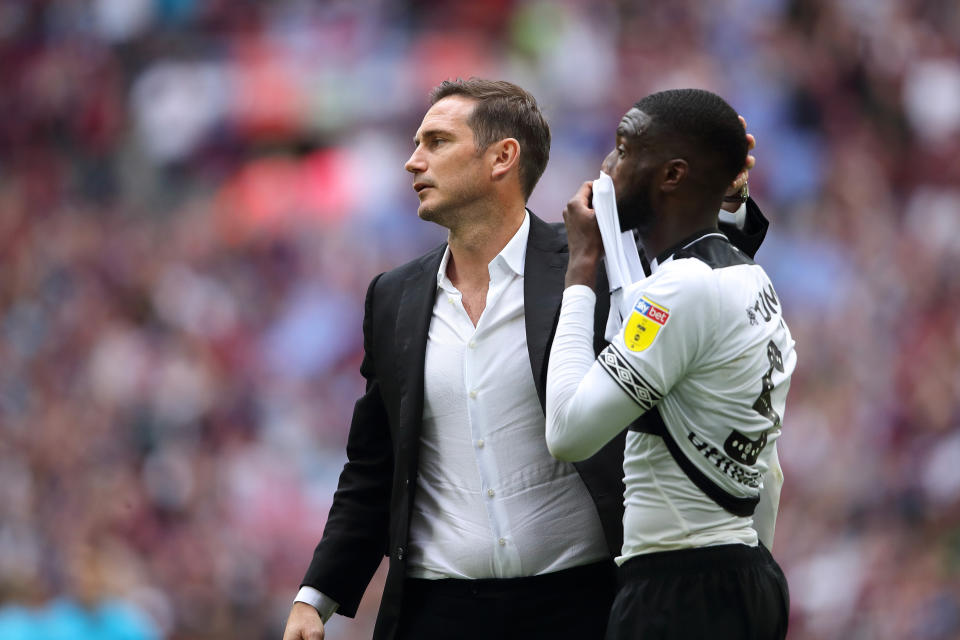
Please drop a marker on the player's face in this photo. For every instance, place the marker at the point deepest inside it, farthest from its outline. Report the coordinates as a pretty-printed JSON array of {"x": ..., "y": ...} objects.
[
  {"x": 632, "y": 167},
  {"x": 448, "y": 171}
]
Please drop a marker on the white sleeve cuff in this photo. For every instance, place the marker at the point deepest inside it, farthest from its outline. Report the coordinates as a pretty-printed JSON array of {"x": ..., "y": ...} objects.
[
  {"x": 738, "y": 218},
  {"x": 325, "y": 605},
  {"x": 583, "y": 293}
]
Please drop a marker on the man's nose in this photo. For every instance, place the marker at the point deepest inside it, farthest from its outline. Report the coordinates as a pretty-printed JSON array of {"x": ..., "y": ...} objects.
[
  {"x": 415, "y": 163},
  {"x": 607, "y": 165}
]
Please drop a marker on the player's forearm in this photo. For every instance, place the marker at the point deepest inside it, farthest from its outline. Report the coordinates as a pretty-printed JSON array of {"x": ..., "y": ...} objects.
[{"x": 582, "y": 269}]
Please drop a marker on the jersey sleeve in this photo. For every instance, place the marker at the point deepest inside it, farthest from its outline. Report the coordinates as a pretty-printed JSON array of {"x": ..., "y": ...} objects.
[
  {"x": 585, "y": 409},
  {"x": 589, "y": 401}
]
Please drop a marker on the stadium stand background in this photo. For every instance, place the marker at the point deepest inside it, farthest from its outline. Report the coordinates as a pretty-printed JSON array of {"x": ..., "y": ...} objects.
[{"x": 194, "y": 195}]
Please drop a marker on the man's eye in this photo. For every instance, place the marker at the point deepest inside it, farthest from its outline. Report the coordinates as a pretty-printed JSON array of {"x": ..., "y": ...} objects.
[{"x": 621, "y": 152}]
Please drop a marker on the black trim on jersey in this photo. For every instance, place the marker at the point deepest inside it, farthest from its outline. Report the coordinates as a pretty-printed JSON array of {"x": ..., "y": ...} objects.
[
  {"x": 644, "y": 394},
  {"x": 710, "y": 247},
  {"x": 652, "y": 422},
  {"x": 629, "y": 379}
]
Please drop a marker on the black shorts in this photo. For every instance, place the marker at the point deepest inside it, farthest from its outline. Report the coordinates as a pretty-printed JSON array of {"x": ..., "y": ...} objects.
[{"x": 728, "y": 592}]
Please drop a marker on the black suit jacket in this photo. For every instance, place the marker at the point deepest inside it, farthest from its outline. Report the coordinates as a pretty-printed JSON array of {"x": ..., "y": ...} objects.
[{"x": 371, "y": 508}]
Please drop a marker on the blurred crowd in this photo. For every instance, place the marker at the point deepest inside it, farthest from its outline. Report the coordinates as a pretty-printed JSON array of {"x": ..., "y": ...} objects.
[{"x": 194, "y": 195}]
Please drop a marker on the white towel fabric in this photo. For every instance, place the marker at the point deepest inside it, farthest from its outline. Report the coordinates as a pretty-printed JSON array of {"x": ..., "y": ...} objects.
[{"x": 621, "y": 258}]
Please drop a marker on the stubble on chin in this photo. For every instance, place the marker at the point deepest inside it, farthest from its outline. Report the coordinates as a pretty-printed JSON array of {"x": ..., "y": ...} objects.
[
  {"x": 437, "y": 215},
  {"x": 453, "y": 209}
]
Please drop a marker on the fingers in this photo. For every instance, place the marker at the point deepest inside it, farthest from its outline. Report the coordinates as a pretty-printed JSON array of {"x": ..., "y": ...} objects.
[
  {"x": 301, "y": 633},
  {"x": 749, "y": 164},
  {"x": 751, "y": 159},
  {"x": 580, "y": 201},
  {"x": 751, "y": 141},
  {"x": 583, "y": 238},
  {"x": 751, "y": 144},
  {"x": 304, "y": 623},
  {"x": 584, "y": 193},
  {"x": 739, "y": 181}
]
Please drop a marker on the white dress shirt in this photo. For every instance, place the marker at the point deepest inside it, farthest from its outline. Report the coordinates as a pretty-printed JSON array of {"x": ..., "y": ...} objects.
[{"x": 491, "y": 502}]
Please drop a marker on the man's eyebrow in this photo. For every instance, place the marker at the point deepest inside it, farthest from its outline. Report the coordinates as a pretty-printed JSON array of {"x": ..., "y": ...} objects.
[
  {"x": 622, "y": 130},
  {"x": 431, "y": 133}
]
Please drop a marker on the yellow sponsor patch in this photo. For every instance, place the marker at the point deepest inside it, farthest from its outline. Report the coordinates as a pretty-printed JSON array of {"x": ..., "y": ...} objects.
[{"x": 644, "y": 324}]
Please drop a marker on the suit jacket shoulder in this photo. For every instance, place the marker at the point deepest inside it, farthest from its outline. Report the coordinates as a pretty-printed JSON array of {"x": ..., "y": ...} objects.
[{"x": 394, "y": 279}]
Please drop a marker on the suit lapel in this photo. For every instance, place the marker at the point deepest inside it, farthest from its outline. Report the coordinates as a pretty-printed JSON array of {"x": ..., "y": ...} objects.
[
  {"x": 413, "y": 324},
  {"x": 544, "y": 268},
  {"x": 543, "y": 274}
]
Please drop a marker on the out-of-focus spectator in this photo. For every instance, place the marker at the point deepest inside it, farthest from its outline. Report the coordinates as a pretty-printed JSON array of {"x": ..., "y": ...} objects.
[{"x": 194, "y": 195}]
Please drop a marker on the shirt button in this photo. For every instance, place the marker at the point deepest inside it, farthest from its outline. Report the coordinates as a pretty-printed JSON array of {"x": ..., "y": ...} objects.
[
  {"x": 480, "y": 443},
  {"x": 491, "y": 492},
  {"x": 473, "y": 394},
  {"x": 452, "y": 301},
  {"x": 472, "y": 344},
  {"x": 503, "y": 542}
]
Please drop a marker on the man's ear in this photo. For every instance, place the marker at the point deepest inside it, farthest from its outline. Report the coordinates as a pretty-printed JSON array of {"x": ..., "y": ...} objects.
[
  {"x": 504, "y": 155},
  {"x": 673, "y": 173}
]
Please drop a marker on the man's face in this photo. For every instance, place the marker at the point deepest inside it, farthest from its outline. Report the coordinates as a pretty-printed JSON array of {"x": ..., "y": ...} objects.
[
  {"x": 448, "y": 172},
  {"x": 632, "y": 167}
]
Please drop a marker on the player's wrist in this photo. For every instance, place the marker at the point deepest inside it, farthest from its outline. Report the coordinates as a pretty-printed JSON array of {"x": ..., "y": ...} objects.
[
  {"x": 582, "y": 270},
  {"x": 324, "y": 605},
  {"x": 734, "y": 199}
]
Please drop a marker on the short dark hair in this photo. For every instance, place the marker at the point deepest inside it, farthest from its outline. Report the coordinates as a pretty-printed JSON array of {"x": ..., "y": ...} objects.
[
  {"x": 504, "y": 110},
  {"x": 703, "y": 123}
]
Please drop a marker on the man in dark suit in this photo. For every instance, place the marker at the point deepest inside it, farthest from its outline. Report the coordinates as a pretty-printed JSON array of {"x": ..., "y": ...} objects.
[{"x": 448, "y": 472}]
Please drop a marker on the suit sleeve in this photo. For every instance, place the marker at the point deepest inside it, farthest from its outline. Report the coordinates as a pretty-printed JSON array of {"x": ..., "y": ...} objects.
[
  {"x": 750, "y": 237},
  {"x": 355, "y": 537}
]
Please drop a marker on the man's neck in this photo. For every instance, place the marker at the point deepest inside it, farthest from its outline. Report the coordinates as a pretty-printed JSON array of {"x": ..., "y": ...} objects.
[
  {"x": 674, "y": 226},
  {"x": 474, "y": 245}
]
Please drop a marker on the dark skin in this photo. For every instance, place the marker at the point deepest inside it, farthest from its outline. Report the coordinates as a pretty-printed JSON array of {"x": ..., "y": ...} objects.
[{"x": 656, "y": 194}]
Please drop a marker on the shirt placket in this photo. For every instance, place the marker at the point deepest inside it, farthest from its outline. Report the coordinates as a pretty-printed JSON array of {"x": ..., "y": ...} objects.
[{"x": 479, "y": 361}]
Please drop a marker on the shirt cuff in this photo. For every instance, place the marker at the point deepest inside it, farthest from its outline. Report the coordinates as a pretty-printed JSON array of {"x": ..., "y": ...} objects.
[
  {"x": 324, "y": 604},
  {"x": 580, "y": 294},
  {"x": 738, "y": 218}
]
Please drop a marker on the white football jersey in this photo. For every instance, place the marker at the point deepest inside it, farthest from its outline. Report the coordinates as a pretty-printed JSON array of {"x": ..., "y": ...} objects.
[{"x": 707, "y": 356}]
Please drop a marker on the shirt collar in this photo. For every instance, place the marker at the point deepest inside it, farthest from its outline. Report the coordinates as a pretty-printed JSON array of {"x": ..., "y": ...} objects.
[
  {"x": 511, "y": 257},
  {"x": 667, "y": 256}
]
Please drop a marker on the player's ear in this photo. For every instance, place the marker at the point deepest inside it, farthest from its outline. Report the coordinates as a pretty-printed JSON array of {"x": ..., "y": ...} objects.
[
  {"x": 504, "y": 156},
  {"x": 672, "y": 173}
]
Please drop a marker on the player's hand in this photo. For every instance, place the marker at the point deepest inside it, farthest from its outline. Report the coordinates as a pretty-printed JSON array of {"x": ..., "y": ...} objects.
[
  {"x": 304, "y": 623},
  {"x": 583, "y": 238},
  {"x": 741, "y": 178}
]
